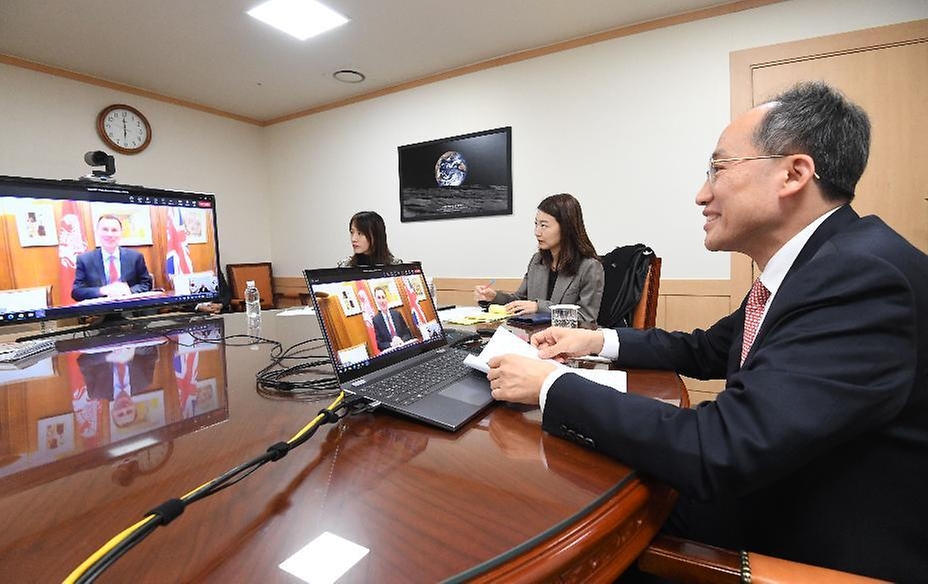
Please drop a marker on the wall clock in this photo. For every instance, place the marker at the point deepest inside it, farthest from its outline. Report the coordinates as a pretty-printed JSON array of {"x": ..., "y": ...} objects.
[{"x": 124, "y": 128}]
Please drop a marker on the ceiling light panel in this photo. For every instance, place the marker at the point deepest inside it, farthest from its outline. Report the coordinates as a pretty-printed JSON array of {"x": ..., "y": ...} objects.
[{"x": 299, "y": 18}]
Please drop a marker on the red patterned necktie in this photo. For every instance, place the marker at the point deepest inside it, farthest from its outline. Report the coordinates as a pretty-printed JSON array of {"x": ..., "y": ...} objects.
[
  {"x": 121, "y": 370},
  {"x": 387, "y": 317},
  {"x": 752, "y": 313},
  {"x": 114, "y": 275}
]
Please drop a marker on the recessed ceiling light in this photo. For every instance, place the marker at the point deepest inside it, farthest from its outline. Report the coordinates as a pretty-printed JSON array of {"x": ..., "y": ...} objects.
[
  {"x": 299, "y": 18},
  {"x": 349, "y": 76}
]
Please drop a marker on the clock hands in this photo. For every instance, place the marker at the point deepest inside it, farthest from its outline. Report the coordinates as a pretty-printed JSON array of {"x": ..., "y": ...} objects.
[{"x": 124, "y": 131}]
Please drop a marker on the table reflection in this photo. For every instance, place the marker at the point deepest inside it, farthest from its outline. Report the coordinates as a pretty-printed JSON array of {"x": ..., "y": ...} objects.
[{"x": 115, "y": 399}]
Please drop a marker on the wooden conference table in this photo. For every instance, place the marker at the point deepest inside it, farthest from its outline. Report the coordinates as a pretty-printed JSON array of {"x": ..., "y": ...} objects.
[{"x": 498, "y": 500}]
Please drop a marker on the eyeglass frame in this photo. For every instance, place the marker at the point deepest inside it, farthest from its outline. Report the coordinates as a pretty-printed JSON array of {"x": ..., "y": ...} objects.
[{"x": 711, "y": 171}]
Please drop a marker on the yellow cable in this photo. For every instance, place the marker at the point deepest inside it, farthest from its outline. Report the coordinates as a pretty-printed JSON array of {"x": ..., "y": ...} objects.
[
  {"x": 80, "y": 570},
  {"x": 124, "y": 534}
]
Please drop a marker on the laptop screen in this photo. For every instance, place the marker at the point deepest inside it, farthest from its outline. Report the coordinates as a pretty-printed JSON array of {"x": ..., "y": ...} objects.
[{"x": 374, "y": 316}]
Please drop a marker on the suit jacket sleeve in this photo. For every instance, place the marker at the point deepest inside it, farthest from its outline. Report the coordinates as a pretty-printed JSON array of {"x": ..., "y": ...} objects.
[
  {"x": 137, "y": 277},
  {"x": 381, "y": 332},
  {"x": 402, "y": 329},
  {"x": 521, "y": 292},
  {"x": 835, "y": 357},
  {"x": 87, "y": 280}
]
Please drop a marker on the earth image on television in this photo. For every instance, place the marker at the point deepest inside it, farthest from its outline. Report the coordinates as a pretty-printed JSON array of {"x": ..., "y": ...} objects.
[{"x": 451, "y": 169}]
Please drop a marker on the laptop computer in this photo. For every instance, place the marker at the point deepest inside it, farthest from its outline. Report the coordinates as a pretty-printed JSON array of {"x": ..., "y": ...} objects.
[{"x": 387, "y": 344}]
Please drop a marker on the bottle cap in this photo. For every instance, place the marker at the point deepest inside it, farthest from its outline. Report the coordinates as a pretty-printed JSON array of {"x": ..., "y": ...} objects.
[{"x": 250, "y": 283}]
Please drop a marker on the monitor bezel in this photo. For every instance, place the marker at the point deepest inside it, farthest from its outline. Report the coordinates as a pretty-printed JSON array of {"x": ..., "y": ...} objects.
[{"x": 86, "y": 190}]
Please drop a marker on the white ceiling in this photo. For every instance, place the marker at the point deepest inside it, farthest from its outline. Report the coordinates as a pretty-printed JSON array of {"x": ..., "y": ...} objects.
[{"x": 209, "y": 52}]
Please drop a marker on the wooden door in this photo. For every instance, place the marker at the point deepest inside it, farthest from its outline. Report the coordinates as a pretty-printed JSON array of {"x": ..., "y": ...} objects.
[{"x": 885, "y": 71}]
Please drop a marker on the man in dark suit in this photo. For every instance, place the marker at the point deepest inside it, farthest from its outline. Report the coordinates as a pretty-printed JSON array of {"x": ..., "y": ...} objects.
[
  {"x": 101, "y": 372},
  {"x": 110, "y": 270},
  {"x": 390, "y": 327},
  {"x": 816, "y": 449}
]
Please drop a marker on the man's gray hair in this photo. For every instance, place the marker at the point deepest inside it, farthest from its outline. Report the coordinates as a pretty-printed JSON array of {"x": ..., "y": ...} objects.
[{"x": 815, "y": 119}]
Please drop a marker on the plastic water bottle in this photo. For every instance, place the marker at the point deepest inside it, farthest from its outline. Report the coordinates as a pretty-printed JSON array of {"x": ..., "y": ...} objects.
[{"x": 252, "y": 304}]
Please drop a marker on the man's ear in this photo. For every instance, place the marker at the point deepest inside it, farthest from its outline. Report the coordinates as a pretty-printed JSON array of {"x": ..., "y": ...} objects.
[{"x": 800, "y": 170}]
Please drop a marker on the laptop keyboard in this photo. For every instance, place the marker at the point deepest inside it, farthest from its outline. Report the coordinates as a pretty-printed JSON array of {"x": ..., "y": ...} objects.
[
  {"x": 14, "y": 351},
  {"x": 417, "y": 382}
]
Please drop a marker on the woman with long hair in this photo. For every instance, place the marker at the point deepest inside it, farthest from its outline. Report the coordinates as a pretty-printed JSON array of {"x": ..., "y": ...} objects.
[
  {"x": 564, "y": 270},
  {"x": 368, "y": 241}
]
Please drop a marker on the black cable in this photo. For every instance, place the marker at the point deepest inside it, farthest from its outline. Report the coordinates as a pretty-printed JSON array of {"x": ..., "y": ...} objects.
[{"x": 272, "y": 381}]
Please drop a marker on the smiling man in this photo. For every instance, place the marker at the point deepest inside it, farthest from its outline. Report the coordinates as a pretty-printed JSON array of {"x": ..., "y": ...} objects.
[
  {"x": 813, "y": 451},
  {"x": 110, "y": 270}
]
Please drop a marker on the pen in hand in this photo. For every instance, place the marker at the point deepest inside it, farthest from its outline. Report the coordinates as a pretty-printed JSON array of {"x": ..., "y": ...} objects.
[{"x": 481, "y": 290}]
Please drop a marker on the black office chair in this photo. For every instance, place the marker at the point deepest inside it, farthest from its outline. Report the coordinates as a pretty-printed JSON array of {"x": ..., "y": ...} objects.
[{"x": 630, "y": 290}]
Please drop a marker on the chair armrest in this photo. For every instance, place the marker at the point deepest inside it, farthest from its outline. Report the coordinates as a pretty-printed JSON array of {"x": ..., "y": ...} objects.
[
  {"x": 681, "y": 560},
  {"x": 685, "y": 561},
  {"x": 767, "y": 570}
]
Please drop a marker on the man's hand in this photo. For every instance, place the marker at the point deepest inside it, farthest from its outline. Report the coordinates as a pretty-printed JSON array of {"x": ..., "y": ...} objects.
[
  {"x": 515, "y": 378},
  {"x": 116, "y": 289},
  {"x": 562, "y": 343},
  {"x": 209, "y": 307}
]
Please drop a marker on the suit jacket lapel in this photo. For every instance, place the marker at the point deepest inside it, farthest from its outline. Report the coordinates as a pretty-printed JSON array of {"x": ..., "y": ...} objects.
[
  {"x": 101, "y": 266},
  {"x": 560, "y": 287},
  {"x": 839, "y": 220}
]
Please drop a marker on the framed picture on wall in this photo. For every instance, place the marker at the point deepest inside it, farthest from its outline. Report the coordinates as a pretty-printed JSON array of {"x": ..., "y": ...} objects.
[
  {"x": 394, "y": 299},
  {"x": 461, "y": 176},
  {"x": 56, "y": 435},
  {"x": 350, "y": 304},
  {"x": 135, "y": 219},
  {"x": 35, "y": 223},
  {"x": 195, "y": 224}
]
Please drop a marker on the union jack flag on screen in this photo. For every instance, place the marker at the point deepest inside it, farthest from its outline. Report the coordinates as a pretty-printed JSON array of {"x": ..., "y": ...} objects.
[
  {"x": 185, "y": 370},
  {"x": 178, "y": 256}
]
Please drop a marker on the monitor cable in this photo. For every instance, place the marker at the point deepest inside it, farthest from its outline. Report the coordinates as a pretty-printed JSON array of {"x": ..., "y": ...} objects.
[{"x": 168, "y": 511}]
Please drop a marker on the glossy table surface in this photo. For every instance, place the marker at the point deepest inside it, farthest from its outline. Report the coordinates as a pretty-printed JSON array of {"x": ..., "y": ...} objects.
[{"x": 497, "y": 499}]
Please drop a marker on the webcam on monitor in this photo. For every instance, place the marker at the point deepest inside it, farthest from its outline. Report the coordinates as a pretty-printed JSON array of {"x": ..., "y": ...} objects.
[{"x": 100, "y": 158}]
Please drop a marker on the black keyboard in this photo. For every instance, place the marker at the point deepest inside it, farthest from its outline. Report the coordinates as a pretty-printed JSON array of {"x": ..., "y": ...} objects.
[{"x": 417, "y": 382}]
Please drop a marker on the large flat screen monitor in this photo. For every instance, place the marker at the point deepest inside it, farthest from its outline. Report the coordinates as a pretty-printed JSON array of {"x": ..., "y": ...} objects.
[{"x": 78, "y": 248}]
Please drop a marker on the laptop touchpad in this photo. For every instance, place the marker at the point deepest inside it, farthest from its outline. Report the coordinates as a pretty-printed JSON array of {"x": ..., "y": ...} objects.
[{"x": 473, "y": 389}]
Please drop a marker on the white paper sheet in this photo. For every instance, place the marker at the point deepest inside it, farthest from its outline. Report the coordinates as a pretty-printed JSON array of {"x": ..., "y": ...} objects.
[{"x": 505, "y": 342}]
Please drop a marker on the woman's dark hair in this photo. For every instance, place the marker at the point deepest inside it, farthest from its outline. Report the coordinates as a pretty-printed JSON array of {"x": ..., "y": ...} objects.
[
  {"x": 575, "y": 243},
  {"x": 372, "y": 226}
]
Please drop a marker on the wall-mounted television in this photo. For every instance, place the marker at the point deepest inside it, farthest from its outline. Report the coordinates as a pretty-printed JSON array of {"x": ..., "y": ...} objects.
[{"x": 78, "y": 248}]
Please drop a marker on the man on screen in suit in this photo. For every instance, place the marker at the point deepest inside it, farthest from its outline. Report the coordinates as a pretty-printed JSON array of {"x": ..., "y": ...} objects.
[
  {"x": 814, "y": 451},
  {"x": 110, "y": 270},
  {"x": 390, "y": 328}
]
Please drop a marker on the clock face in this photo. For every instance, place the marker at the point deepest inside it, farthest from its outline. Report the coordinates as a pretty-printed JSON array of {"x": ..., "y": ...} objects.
[{"x": 124, "y": 128}]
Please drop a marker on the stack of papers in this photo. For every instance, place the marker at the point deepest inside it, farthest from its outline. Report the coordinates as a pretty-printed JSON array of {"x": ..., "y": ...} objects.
[{"x": 505, "y": 342}]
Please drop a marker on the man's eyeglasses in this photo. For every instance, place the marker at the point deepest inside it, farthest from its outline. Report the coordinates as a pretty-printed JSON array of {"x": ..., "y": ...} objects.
[{"x": 713, "y": 162}]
